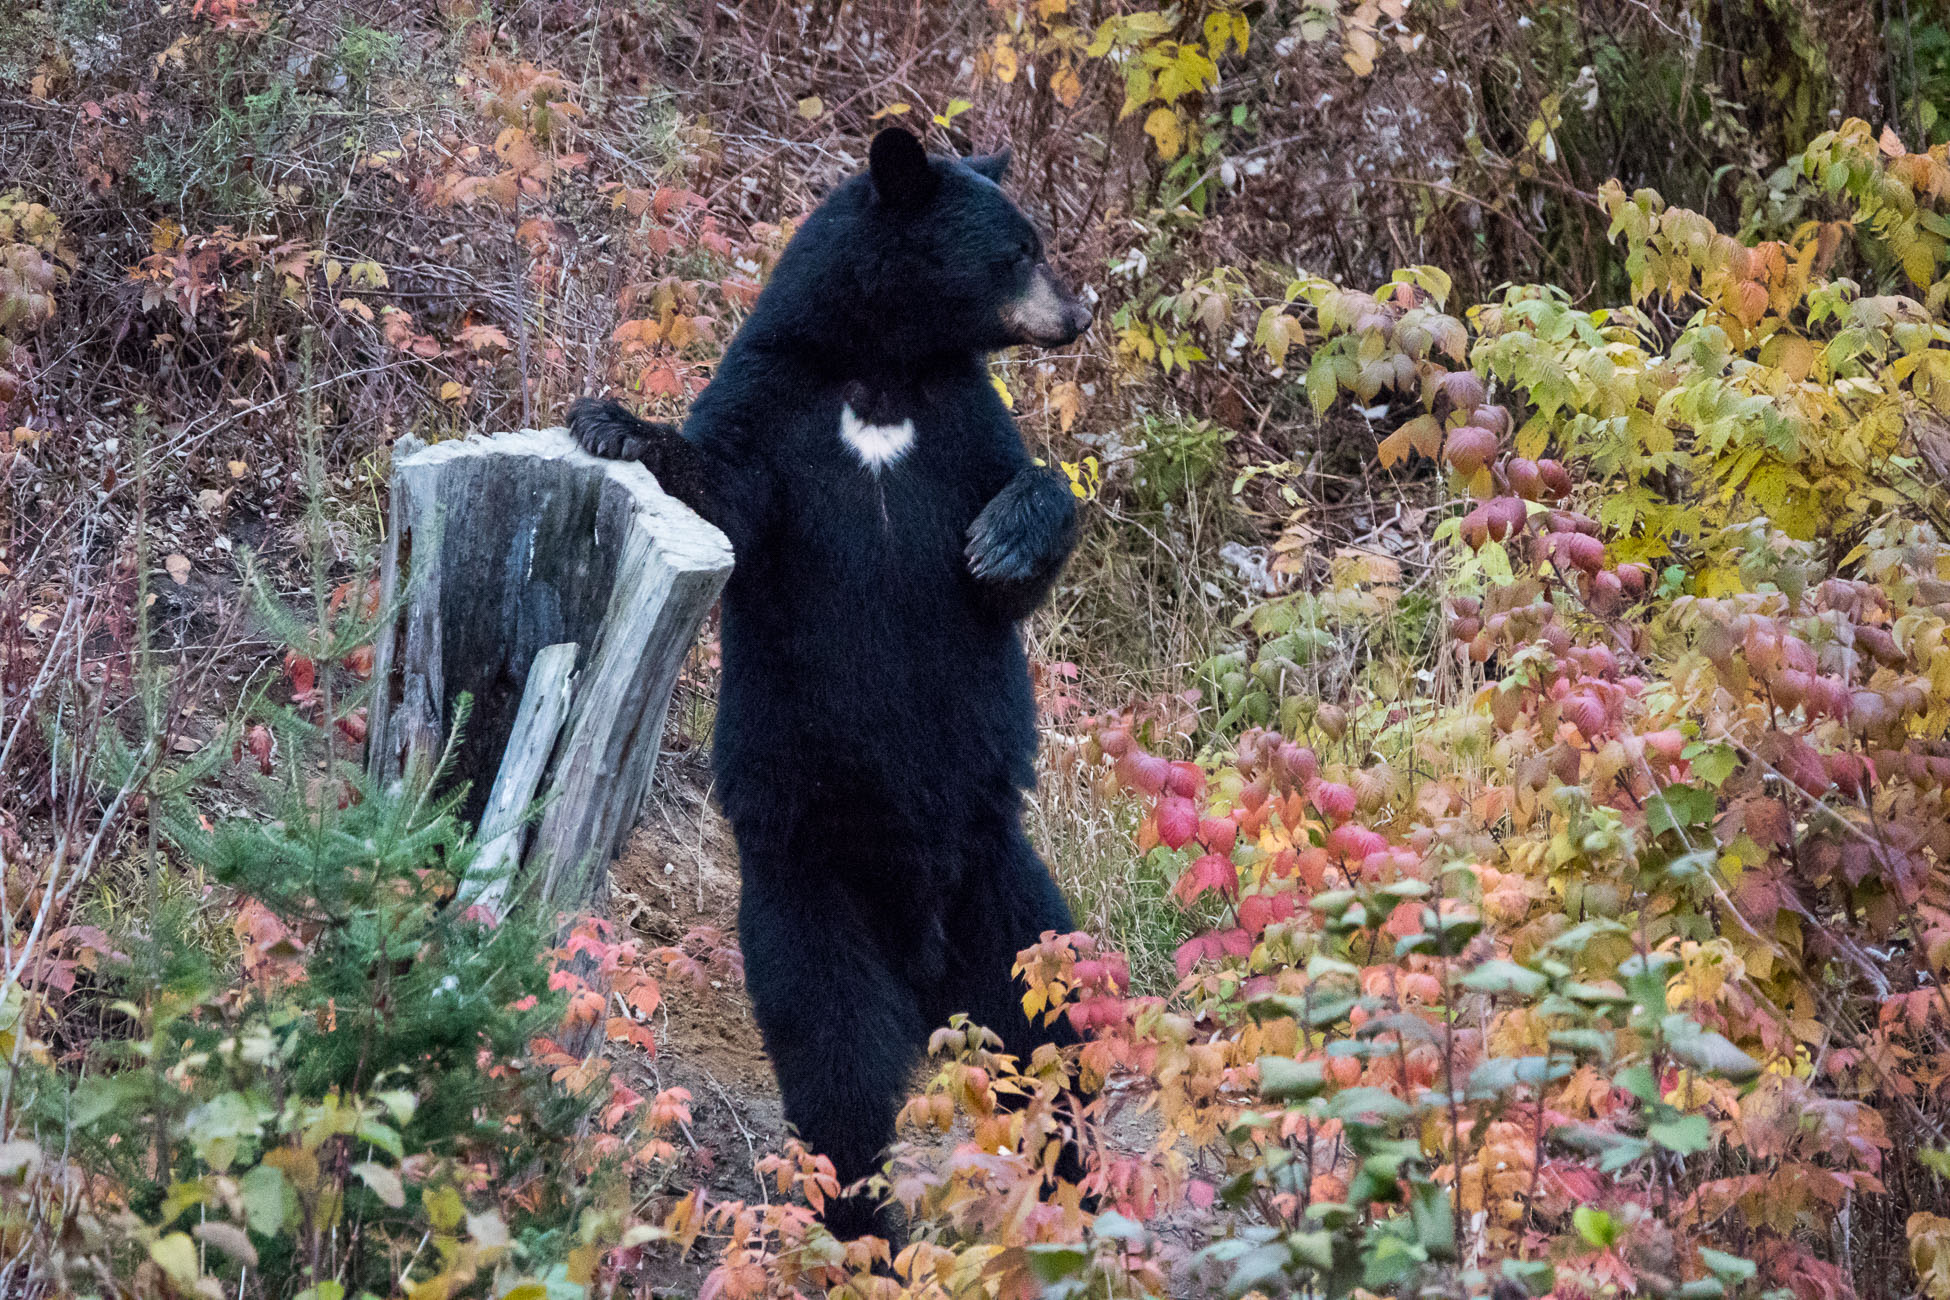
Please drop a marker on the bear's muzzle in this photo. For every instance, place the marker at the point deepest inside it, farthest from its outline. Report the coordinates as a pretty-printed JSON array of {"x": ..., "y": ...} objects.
[{"x": 1048, "y": 315}]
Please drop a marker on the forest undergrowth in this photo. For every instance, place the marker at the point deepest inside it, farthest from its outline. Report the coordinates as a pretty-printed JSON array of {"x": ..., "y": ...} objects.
[{"x": 1496, "y": 727}]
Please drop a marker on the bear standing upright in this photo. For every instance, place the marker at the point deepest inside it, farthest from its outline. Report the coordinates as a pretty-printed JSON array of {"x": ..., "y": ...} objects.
[{"x": 876, "y": 726}]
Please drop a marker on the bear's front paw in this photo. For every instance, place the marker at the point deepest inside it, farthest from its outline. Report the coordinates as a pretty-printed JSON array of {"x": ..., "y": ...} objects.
[
  {"x": 605, "y": 429},
  {"x": 1021, "y": 539}
]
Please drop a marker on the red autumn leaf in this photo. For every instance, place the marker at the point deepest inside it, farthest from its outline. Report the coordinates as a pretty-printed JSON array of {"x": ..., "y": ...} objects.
[
  {"x": 1257, "y": 911},
  {"x": 1177, "y": 821},
  {"x": 303, "y": 675},
  {"x": 1186, "y": 779},
  {"x": 1218, "y": 834},
  {"x": 259, "y": 741},
  {"x": 1205, "y": 874}
]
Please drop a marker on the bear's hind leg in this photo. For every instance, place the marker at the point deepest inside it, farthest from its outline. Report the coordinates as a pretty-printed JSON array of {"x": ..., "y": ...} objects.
[
  {"x": 1007, "y": 901},
  {"x": 842, "y": 1027}
]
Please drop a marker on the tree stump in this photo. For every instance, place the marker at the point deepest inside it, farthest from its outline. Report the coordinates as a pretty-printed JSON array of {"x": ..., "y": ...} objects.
[{"x": 562, "y": 593}]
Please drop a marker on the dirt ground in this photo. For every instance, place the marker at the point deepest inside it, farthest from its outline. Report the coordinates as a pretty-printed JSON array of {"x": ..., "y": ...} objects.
[{"x": 680, "y": 871}]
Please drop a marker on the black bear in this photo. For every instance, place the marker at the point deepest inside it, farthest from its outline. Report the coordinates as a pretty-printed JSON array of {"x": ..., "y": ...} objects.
[{"x": 876, "y": 728}]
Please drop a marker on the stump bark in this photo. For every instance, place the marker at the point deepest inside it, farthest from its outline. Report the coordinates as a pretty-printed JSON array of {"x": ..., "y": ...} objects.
[{"x": 562, "y": 594}]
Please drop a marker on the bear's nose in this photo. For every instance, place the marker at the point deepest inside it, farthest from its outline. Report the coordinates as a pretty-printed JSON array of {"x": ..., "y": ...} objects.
[{"x": 1079, "y": 317}]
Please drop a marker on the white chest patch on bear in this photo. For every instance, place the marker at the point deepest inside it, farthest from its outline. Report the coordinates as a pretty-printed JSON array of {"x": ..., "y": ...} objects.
[{"x": 877, "y": 445}]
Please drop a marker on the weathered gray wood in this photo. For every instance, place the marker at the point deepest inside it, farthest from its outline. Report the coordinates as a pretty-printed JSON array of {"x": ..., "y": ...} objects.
[
  {"x": 504, "y": 546},
  {"x": 504, "y": 828}
]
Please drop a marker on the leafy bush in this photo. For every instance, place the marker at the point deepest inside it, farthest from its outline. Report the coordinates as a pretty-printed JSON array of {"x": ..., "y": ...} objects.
[
  {"x": 365, "y": 1097},
  {"x": 1550, "y": 899}
]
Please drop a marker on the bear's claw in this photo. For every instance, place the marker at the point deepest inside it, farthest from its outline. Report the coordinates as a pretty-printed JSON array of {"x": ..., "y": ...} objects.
[
  {"x": 1024, "y": 535},
  {"x": 605, "y": 429}
]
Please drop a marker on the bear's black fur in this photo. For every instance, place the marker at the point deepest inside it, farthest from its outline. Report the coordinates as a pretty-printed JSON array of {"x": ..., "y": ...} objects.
[{"x": 876, "y": 727}]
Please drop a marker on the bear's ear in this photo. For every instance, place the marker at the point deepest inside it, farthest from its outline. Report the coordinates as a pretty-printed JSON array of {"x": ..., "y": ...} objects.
[
  {"x": 902, "y": 176},
  {"x": 993, "y": 165}
]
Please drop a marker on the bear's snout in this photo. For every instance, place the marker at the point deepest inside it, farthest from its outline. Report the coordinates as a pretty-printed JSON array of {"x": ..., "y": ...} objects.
[{"x": 1048, "y": 314}]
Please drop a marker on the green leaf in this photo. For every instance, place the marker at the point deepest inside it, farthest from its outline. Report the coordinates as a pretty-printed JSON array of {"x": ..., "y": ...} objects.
[
  {"x": 1730, "y": 1268},
  {"x": 104, "y": 1095},
  {"x": 1281, "y": 1078},
  {"x": 399, "y": 1103},
  {"x": 175, "y": 1254},
  {"x": 1638, "y": 1080},
  {"x": 1259, "y": 1269},
  {"x": 1322, "y": 387},
  {"x": 1500, "y": 976},
  {"x": 267, "y": 1200},
  {"x": 1329, "y": 1011},
  {"x": 1455, "y": 930},
  {"x": 1707, "y": 1051},
  {"x": 384, "y": 1182},
  {"x": 1712, "y": 764},
  {"x": 1596, "y": 995},
  {"x": 1430, "y": 1210},
  {"x": 383, "y": 1137},
  {"x": 1332, "y": 902},
  {"x": 1582, "y": 1042},
  {"x": 1536, "y": 1276},
  {"x": 1053, "y": 1262},
  {"x": 1353, "y": 1104},
  {"x": 1685, "y": 1134},
  {"x": 1388, "y": 1260},
  {"x": 1679, "y": 807},
  {"x": 1115, "y": 1227},
  {"x": 1599, "y": 1230},
  {"x": 1500, "y": 1074},
  {"x": 1313, "y": 1249}
]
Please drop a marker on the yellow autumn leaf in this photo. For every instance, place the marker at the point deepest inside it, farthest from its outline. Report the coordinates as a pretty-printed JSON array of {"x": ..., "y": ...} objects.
[
  {"x": 1003, "y": 58},
  {"x": 1163, "y": 126},
  {"x": 1360, "y": 51},
  {"x": 444, "y": 1208},
  {"x": 1002, "y": 390},
  {"x": 1919, "y": 262},
  {"x": 1218, "y": 30},
  {"x": 176, "y": 1256},
  {"x": 1066, "y": 399},
  {"x": 892, "y": 110},
  {"x": 1929, "y": 1253},
  {"x": 811, "y": 107},
  {"x": 1393, "y": 449},
  {"x": 1066, "y": 85}
]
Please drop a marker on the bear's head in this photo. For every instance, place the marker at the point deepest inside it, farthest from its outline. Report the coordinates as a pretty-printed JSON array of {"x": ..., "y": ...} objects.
[{"x": 920, "y": 256}]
